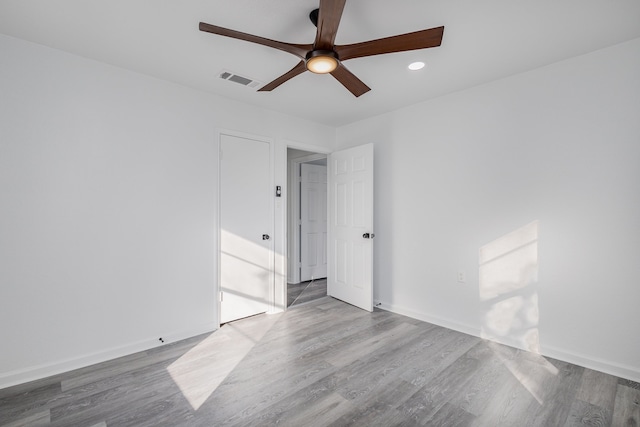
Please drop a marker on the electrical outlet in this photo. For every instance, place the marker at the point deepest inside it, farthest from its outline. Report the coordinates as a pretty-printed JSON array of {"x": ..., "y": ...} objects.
[{"x": 462, "y": 277}]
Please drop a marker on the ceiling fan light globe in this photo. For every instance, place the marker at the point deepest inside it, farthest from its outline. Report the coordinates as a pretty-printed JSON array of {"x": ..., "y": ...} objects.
[{"x": 322, "y": 64}]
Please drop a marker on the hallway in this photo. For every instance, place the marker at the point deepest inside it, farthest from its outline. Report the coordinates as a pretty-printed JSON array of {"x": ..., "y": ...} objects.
[{"x": 306, "y": 291}]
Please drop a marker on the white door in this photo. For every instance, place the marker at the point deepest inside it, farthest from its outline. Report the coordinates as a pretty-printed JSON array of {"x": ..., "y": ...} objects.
[
  {"x": 351, "y": 226},
  {"x": 246, "y": 255},
  {"x": 313, "y": 222}
]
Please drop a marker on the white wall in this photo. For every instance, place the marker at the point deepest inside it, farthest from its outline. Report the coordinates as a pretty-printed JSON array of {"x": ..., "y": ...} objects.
[
  {"x": 558, "y": 149},
  {"x": 108, "y": 187},
  {"x": 108, "y": 205}
]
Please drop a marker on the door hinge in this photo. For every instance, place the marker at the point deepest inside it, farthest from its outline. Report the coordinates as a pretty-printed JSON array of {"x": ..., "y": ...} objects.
[{"x": 221, "y": 296}]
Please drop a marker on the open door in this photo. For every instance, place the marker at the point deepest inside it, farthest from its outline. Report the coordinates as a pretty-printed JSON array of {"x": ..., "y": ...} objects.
[{"x": 350, "y": 249}]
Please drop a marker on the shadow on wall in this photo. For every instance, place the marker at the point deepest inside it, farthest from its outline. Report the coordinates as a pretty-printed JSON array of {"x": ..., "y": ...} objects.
[{"x": 508, "y": 289}]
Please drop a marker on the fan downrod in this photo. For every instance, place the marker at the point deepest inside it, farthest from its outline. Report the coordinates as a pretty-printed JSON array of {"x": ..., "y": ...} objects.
[{"x": 313, "y": 16}]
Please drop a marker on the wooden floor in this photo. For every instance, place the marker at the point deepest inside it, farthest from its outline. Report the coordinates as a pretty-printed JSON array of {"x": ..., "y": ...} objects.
[
  {"x": 327, "y": 363},
  {"x": 301, "y": 293}
]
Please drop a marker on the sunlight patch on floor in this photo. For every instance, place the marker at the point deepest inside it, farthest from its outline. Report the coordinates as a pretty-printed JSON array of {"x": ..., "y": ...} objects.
[
  {"x": 531, "y": 370},
  {"x": 200, "y": 371}
]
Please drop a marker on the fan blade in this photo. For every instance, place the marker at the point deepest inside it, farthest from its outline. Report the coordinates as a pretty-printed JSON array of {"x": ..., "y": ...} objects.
[
  {"x": 417, "y": 40},
  {"x": 298, "y": 69},
  {"x": 350, "y": 81},
  {"x": 299, "y": 50},
  {"x": 328, "y": 21}
]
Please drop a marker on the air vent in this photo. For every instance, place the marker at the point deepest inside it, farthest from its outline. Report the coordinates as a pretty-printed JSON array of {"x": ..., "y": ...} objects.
[{"x": 236, "y": 78}]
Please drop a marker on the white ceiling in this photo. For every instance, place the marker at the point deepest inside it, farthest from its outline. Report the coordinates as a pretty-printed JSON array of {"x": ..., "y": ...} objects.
[{"x": 483, "y": 41}]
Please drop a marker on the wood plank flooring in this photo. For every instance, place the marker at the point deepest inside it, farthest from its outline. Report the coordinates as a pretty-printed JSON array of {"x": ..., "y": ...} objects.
[
  {"x": 304, "y": 292},
  {"x": 326, "y": 363}
]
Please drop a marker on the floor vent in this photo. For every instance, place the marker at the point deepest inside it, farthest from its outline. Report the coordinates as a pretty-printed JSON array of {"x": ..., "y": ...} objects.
[{"x": 236, "y": 78}]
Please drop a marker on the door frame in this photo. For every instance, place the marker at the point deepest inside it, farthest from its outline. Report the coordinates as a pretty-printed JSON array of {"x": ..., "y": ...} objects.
[
  {"x": 293, "y": 240},
  {"x": 217, "y": 230},
  {"x": 284, "y": 176}
]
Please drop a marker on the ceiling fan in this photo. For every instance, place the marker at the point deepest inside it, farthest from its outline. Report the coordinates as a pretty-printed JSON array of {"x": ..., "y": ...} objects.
[{"x": 324, "y": 56}]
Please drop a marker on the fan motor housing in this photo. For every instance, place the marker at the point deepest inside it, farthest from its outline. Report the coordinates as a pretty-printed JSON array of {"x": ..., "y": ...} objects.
[{"x": 322, "y": 61}]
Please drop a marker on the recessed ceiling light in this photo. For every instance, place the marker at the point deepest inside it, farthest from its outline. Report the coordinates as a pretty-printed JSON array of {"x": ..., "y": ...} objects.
[{"x": 416, "y": 66}]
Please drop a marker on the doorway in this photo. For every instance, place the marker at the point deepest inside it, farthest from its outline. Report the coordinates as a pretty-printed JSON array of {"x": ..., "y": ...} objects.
[
  {"x": 349, "y": 249},
  {"x": 307, "y": 226}
]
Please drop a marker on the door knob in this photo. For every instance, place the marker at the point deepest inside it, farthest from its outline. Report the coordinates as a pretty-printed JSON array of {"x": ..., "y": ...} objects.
[{"x": 265, "y": 237}]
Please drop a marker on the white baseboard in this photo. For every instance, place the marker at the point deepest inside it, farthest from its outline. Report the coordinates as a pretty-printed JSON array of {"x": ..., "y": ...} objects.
[
  {"x": 32, "y": 373},
  {"x": 607, "y": 367},
  {"x": 445, "y": 323}
]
